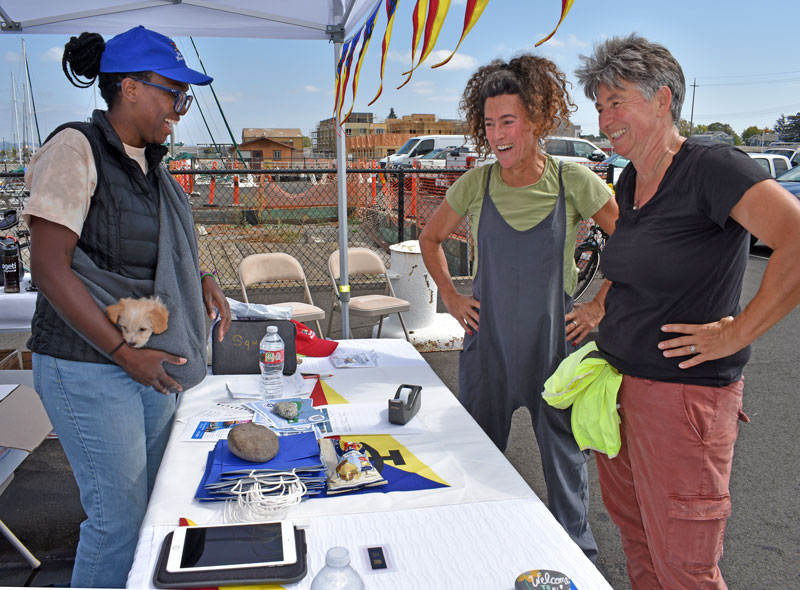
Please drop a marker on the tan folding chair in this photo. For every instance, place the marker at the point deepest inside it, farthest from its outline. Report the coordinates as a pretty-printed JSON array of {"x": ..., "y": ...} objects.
[
  {"x": 278, "y": 266},
  {"x": 365, "y": 262}
]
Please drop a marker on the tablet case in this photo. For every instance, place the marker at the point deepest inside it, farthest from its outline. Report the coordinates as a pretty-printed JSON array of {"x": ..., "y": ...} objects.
[
  {"x": 277, "y": 574},
  {"x": 237, "y": 354}
]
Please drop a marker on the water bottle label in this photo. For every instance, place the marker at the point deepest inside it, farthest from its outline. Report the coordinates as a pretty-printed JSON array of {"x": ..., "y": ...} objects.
[
  {"x": 271, "y": 357},
  {"x": 9, "y": 267}
]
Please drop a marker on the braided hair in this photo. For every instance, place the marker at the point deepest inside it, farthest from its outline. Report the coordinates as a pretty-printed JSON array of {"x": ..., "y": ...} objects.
[
  {"x": 540, "y": 85},
  {"x": 81, "y": 65}
]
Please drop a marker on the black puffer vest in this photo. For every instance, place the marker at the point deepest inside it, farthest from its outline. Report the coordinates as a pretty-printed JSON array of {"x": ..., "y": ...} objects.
[{"x": 120, "y": 233}]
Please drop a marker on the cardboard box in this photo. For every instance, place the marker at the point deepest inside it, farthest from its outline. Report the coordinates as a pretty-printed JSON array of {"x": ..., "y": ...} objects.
[{"x": 23, "y": 422}]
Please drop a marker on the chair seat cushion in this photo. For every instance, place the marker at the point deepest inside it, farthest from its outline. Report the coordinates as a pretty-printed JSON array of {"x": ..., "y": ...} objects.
[
  {"x": 378, "y": 305},
  {"x": 303, "y": 312}
]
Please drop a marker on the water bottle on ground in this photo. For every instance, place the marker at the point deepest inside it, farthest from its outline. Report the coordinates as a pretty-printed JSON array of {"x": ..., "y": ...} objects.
[
  {"x": 337, "y": 574},
  {"x": 270, "y": 358}
]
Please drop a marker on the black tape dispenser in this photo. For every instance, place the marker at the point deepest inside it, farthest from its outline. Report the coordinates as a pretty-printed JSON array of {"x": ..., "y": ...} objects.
[{"x": 405, "y": 404}]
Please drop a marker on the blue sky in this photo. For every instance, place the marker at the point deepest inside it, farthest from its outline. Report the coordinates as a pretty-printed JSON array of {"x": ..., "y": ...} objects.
[{"x": 742, "y": 55}]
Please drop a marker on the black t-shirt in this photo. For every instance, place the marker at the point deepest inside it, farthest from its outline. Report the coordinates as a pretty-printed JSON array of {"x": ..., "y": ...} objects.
[{"x": 680, "y": 258}]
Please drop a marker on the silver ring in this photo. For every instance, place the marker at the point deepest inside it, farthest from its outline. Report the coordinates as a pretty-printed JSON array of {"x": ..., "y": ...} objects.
[
  {"x": 693, "y": 349},
  {"x": 576, "y": 323}
]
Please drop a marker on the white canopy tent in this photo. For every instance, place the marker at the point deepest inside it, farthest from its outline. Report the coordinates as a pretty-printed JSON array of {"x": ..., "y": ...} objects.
[{"x": 329, "y": 20}]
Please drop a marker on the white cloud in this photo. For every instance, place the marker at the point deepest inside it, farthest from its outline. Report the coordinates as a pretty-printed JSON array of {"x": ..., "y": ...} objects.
[
  {"x": 311, "y": 88},
  {"x": 460, "y": 61},
  {"x": 12, "y": 57},
  {"x": 53, "y": 54}
]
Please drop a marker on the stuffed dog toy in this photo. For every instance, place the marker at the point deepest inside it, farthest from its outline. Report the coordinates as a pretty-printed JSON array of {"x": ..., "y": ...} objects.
[{"x": 138, "y": 319}]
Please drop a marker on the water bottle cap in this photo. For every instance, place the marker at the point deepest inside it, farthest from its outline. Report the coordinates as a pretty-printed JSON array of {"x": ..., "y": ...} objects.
[
  {"x": 337, "y": 557},
  {"x": 272, "y": 329}
]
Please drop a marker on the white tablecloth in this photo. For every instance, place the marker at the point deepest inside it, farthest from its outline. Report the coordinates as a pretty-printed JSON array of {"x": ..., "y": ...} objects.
[
  {"x": 16, "y": 309},
  {"x": 480, "y": 532}
]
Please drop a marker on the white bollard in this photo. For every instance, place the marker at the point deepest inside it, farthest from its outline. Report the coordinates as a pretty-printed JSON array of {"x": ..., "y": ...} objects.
[{"x": 429, "y": 331}]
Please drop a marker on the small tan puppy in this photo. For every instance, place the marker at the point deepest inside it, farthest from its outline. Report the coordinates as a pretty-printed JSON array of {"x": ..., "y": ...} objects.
[{"x": 138, "y": 319}]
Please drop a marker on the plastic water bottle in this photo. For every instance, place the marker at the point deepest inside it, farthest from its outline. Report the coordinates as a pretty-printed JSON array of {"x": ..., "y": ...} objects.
[
  {"x": 11, "y": 268},
  {"x": 337, "y": 574},
  {"x": 270, "y": 358}
]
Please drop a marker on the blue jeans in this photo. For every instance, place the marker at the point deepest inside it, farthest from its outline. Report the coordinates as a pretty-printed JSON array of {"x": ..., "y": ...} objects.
[{"x": 114, "y": 431}]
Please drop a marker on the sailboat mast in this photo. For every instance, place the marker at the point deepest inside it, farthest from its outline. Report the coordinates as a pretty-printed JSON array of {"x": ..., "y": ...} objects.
[
  {"x": 34, "y": 120},
  {"x": 16, "y": 116}
]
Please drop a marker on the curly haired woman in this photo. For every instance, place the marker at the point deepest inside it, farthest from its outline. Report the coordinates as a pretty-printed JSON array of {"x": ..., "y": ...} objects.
[{"x": 524, "y": 211}]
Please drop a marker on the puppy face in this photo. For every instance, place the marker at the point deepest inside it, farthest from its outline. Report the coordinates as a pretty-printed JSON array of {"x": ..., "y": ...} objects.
[{"x": 138, "y": 319}]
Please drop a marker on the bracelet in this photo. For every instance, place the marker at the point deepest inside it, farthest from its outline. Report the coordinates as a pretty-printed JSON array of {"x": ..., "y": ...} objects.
[
  {"x": 213, "y": 273},
  {"x": 116, "y": 348}
]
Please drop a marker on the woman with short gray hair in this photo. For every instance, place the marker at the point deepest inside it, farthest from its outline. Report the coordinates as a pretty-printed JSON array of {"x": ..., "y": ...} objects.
[{"x": 673, "y": 326}]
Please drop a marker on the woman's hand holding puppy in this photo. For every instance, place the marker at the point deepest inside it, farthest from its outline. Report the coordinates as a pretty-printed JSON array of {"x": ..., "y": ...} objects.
[{"x": 145, "y": 366}]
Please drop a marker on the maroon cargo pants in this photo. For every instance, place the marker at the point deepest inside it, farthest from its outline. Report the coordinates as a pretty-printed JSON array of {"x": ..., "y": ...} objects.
[{"x": 667, "y": 490}]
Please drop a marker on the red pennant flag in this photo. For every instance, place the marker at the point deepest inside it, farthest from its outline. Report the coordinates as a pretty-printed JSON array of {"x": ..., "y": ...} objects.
[
  {"x": 346, "y": 74},
  {"x": 420, "y": 10},
  {"x": 391, "y": 6},
  {"x": 471, "y": 15},
  {"x": 338, "y": 83},
  {"x": 437, "y": 12},
  {"x": 565, "y": 6}
]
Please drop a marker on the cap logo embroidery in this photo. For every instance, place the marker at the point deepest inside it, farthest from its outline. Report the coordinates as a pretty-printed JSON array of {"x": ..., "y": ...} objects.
[{"x": 178, "y": 54}]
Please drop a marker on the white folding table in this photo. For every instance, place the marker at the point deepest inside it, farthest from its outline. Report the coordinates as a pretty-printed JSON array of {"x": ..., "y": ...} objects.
[{"x": 480, "y": 532}]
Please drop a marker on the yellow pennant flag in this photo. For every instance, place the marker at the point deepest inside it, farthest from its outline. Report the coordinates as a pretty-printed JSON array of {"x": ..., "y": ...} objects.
[
  {"x": 418, "y": 18},
  {"x": 391, "y": 6},
  {"x": 565, "y": 6},
  {"x": 471, "y": 15}
]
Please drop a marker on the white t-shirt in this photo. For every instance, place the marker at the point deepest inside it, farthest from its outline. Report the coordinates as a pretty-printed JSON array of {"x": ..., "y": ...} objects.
[{"x": 62, "y": 178}]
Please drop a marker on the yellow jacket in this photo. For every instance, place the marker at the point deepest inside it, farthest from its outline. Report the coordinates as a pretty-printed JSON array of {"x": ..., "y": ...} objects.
[{"x": 589, "y": 384}]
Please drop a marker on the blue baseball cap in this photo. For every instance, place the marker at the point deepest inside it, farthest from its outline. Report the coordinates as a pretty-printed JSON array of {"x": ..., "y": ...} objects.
[{"x": 143, "y": 50}]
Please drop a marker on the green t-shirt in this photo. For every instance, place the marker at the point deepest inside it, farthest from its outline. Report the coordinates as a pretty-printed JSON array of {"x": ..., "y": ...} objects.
[{"x": 523, "y": 207}]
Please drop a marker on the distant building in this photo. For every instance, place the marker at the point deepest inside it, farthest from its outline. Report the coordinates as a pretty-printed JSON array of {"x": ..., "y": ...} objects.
[
  {"x": 716, "y": 137},
  {"x": 762, "y": 139},
  {"x": 292, "y": 137},
  {"x": 264, "y": 153},
  {"x": 370, "y": 140}
]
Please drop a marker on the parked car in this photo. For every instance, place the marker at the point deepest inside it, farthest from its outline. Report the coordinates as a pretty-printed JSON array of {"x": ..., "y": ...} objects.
[
  {"x": 618, "y": 162},
  {"x": 784, "y": 148},
  {"x": 419, "y": 146},
  {"x": 772, "y": 163},
  {"x": 574, "y": 149},
  {"x": 791, "y": 181}
]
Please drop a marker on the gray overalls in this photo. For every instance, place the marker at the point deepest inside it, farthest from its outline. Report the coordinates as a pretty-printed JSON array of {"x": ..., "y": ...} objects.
[{"x": 519, "y": 344}]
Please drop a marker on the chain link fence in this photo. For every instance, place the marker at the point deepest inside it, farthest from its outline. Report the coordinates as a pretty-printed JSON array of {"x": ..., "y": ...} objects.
[{"x": 238, "y": 213}]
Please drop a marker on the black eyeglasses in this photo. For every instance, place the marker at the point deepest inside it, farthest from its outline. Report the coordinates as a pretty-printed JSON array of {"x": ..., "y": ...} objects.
[{"x": 182, "y": 100}]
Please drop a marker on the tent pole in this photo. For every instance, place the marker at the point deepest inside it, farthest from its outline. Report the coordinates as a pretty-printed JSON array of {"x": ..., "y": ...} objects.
[{"x": 341, "y": 180}]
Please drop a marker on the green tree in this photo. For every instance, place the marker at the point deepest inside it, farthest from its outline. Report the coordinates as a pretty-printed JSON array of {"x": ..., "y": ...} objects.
[
  {"x": 306, "y": 141},
  {"x": 717, "y": 126},
  {"x": 392, "y": 114},
  {"x": 684, "y": 128},
  {"x": 788, "y": 128},
  {"x": 751, "y": 131},
  {"x": 699, "y": 129}
]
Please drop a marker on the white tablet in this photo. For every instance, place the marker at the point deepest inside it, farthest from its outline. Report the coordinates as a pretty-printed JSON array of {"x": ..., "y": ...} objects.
[{"x": 232, "y": 546}]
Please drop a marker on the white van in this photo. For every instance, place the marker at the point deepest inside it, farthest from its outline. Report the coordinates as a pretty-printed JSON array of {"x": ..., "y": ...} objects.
[
  {"x": 574, "y": 149},
  {"x": 419, "y": 146}
]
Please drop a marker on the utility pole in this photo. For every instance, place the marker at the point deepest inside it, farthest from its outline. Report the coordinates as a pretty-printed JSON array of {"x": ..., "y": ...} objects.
[{"x": 691, "y": 119}]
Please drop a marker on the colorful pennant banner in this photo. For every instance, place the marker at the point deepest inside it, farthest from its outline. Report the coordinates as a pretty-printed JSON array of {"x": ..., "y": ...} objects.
[{"x": 427, "y": 19}]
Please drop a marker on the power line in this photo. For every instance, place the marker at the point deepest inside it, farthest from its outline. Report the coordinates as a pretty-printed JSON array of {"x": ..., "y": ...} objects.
[{"x": 749, "y": 75}]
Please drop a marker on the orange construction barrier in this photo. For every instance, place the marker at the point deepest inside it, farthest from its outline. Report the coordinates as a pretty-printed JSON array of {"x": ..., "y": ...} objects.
[
  {"x": 235, "y": 184},
  {"x": 373, "y": 180},
  {"x": 212, "y": 187},
  {"x": 414, "y": 192}
]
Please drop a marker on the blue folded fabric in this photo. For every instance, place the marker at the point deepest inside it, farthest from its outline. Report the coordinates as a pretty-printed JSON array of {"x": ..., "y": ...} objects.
[{"x": 299, "y": 452}]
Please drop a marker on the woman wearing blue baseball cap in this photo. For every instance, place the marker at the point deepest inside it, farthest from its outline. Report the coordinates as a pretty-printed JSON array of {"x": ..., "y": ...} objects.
[{"x": 108, "y": 221}]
